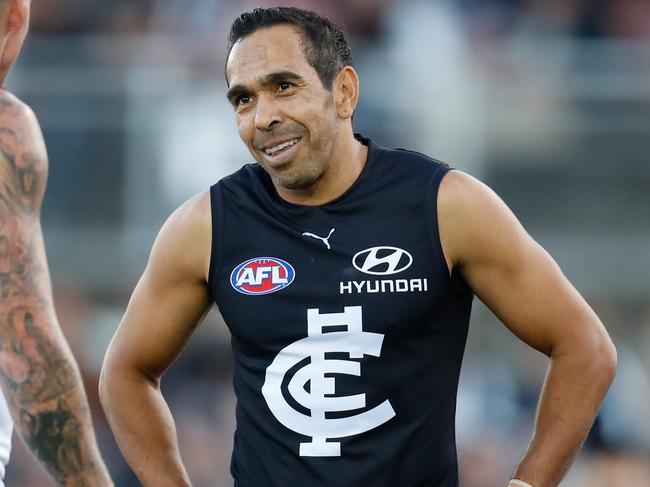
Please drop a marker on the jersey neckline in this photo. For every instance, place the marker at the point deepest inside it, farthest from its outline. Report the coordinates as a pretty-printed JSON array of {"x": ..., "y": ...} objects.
[{"x": 370, "y": 157}]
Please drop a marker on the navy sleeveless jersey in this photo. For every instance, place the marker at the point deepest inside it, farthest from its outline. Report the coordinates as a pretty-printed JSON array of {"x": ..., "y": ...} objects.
[{"x": 347, "y": 331}]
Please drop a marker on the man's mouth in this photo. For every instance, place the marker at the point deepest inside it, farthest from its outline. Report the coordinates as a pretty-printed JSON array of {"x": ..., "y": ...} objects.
[{"x": 276, "y": 149}]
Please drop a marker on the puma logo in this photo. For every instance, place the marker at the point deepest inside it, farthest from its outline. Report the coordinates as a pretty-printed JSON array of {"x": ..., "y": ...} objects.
[{"x": 324, "y": 239}]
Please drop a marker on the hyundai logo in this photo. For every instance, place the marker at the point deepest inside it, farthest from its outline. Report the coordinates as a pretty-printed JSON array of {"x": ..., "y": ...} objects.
[{"x": 382, "y": 261}]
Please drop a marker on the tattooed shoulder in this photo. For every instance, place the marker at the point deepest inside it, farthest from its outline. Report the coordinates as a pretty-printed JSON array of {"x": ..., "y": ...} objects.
[{"x": 23, "y": 158}]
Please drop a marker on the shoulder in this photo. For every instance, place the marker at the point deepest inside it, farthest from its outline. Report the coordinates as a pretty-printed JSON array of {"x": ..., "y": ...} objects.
[
  {"x": 193, "y": 216},
  {"x": 11, "y": 103},
  {"x": 463, "y": 195},
  {"x": 458, "y": 191},
  {"x": 189, "y": 221},
  {"x": 19, "y": 124},
  {"x": 23, "y": 158},
  {"x": 473, "y": 219},
  {"x": 185, "y": 239}
]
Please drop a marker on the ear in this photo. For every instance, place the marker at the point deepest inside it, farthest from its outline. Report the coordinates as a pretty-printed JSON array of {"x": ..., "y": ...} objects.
[
  {"x": 12, "y": 31},
  {"x": 346, "y": 86}
]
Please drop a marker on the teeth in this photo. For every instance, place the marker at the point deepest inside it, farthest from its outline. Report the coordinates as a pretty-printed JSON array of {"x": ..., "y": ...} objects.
[{"x": 273, "y": 150}]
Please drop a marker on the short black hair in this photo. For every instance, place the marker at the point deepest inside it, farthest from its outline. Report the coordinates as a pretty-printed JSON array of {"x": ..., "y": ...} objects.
[{"x": 325, "y": 46}]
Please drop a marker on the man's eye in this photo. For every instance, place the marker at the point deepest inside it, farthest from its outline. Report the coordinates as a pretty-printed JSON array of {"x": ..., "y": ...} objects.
[
  {"x": 243, "y": 100},
  {"x": 284, "y": 86}
]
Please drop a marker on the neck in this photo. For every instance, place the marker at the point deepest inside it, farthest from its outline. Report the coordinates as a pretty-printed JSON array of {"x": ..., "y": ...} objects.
[{"x": 347, "y": 161}]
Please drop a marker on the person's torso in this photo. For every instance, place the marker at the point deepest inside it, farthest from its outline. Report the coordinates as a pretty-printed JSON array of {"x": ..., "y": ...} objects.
[{"x": 347, "y": 331}]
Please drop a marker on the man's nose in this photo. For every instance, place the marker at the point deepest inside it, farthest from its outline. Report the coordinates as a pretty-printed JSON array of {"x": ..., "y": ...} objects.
[{"x": 267, "y": 113}]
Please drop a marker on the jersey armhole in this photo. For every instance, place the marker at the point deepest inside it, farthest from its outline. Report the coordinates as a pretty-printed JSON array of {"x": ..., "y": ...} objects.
[
  {"x": 438, "y": 175},
  {"x": 214, "y": 244},
  {"x": 452, "y": 277}
]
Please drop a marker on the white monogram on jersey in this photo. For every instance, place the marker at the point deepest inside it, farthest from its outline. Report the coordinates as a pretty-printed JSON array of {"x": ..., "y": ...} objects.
[{"x": 319, "y": 401}]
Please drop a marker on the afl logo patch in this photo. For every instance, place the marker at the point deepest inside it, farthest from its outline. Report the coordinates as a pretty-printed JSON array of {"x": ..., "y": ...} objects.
[
  {"x": 262, "y": 275},
  {"x": 382, "y": 260}
]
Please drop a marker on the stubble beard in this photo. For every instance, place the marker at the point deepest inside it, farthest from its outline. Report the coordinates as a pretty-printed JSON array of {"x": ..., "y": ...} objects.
[
  {"x": 301, "y": 178},
  {"x": 301, "y": 173}
]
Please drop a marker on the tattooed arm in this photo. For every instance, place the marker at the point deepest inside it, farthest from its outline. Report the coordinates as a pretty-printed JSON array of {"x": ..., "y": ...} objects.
[{"x": 38, "y": 374}]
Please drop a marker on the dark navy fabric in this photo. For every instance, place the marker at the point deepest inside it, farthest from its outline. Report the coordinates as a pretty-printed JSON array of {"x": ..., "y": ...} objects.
[{"x": 422, "y": 321}]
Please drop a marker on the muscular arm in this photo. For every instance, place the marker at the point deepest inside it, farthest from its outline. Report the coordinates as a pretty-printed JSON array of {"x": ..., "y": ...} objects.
[
  {"x": 524, "y": 287},
  {"x": 38, "y": 374},
  {"x": 168, "y": 302}
]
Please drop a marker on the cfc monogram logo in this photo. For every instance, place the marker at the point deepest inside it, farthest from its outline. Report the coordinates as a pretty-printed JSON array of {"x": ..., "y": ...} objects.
[{"x": 319, "y": 401}]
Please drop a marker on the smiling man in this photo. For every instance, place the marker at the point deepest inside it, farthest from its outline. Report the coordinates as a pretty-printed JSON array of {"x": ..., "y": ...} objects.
[{"x": 345, "y": 272}]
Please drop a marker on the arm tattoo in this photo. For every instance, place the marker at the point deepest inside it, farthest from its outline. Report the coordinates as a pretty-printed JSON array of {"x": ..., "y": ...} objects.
[
  {"x": 37, "y": 372},
  {"x": 54, "y": 437}
]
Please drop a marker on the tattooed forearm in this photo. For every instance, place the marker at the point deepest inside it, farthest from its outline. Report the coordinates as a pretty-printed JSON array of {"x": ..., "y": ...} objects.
[
  {"x": 41, "y": 372},
  {"x": 54, "y": 437},
  {"x": 38, "y": 374},
  {"x": 44, "y": 392}
]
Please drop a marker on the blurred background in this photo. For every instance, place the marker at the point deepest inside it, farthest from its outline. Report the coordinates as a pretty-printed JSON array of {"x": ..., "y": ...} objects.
[{"x": 547, "y": 101}]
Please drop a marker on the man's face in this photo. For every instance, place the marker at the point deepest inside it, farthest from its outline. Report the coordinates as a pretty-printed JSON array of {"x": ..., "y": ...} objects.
[{"x": 285, "y": 116}]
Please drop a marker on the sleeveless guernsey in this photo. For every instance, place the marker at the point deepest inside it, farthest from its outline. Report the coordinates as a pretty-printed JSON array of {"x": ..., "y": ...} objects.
[{"x": 347, "y": 330}]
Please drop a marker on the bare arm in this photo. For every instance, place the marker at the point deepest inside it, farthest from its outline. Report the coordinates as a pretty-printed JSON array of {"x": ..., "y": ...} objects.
[
  {"x": 524, "y": 287},
  {"x": 167, "y": 304},
  {"x": 38, "y": 374}
]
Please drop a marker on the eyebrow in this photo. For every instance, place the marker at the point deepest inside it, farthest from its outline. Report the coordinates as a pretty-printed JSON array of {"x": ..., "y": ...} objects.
[{"x": 270, "y": 79}]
